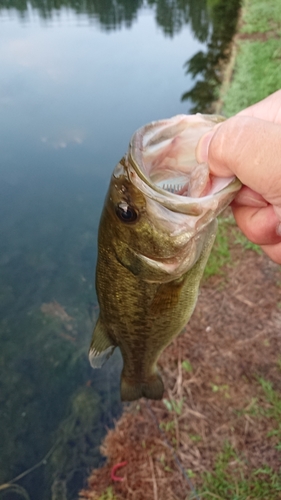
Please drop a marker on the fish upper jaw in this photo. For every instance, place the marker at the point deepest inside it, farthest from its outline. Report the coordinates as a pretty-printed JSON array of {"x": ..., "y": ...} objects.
[
  {"x": 163, "y": 152},
  {"x": 161, "y": 162}
]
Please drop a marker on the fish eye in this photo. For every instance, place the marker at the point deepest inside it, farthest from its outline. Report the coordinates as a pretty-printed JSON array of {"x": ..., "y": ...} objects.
[{"x": 126, "y": 213}]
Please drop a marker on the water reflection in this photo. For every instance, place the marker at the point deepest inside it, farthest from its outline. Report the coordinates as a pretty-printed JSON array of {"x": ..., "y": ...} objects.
[
  {"x": 71, "y": 95},
  {"x": 170, "y": 15},
  {"x": 207, "y": 64},
  {"x": 111, "y": 14}
]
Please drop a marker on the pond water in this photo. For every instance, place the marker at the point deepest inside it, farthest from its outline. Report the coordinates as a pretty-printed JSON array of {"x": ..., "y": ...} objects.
[{"x": 77, "y": 79}]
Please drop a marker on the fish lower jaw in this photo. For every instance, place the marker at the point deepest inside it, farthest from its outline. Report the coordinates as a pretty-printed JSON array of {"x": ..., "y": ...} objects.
[
  {"x": 173, "y": 267},
  {"x": 166, "y": 265}
]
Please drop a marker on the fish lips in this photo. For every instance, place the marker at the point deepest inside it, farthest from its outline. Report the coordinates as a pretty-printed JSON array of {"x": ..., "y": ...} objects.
[{"x": 163, "y": 153}]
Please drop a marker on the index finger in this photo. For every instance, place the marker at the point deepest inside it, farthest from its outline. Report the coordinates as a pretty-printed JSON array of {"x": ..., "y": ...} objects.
[{"x": 249, "y": 148}]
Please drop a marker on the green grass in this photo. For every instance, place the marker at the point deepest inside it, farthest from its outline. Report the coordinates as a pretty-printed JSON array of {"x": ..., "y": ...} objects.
[
  {"x": 268, "y": 406},
  {"x": 261, "y": 16},
  {"x": 167, "y": 426},
  {"x": 228, "y": 480},
  {"x": 173, "y": 405},
  {"x": 220, "y": 255},
  {"x": 228, "y": 233},
  {"x": 187, "y": 366},
  {"x": 108, "y": 494},
  {"x": 241, "y": 239},
  {"x": 273, "y": 408},
  {"x": 257, "y": 71},
  {"x": 257, "y": 74}
]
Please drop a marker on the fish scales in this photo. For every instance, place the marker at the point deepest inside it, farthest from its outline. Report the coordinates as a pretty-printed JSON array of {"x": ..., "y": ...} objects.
[{"x": 153, "y": 246}]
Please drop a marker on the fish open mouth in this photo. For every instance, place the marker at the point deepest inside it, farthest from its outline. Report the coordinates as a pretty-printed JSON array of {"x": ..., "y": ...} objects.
[{"x": 163, "y": 155}]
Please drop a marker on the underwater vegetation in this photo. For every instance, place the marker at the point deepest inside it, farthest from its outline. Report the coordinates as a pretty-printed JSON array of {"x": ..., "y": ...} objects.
[{"x": 52, "y": 366}]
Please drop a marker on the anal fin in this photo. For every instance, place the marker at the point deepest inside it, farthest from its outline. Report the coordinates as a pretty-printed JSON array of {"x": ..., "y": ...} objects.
[{"x": 101, "y": 346}]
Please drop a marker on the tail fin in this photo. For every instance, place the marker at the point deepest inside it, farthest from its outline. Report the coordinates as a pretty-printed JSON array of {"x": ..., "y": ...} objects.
[{"x": 152, "y": 389}]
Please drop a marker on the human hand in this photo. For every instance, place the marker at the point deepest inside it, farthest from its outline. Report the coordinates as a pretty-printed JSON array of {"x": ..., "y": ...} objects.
[{"x": 248, "y": 145}]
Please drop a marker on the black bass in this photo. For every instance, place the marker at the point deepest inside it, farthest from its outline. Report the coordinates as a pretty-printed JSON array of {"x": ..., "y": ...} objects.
[{"x": 156, "y": 232}]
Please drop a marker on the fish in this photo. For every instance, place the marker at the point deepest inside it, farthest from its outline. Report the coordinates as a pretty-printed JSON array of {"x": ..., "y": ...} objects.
[{"x": 156, "y": 232}]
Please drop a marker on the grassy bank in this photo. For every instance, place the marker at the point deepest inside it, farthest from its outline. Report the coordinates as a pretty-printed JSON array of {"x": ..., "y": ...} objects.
[
  {"x": 257, "y": 69},
  {"x": 255, "y": 74}
]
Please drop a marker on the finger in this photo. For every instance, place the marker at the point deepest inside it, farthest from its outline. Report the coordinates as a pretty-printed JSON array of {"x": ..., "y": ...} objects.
[
  {"x": 273, "y": 251},
  {"x": 260, "y": 225},
  {"x": 249, "y": 148},
  {"x": 248, "y": 197}
]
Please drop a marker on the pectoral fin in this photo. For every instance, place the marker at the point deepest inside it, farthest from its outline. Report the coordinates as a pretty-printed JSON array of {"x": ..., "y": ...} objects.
[{"x": 101, "y": 346}]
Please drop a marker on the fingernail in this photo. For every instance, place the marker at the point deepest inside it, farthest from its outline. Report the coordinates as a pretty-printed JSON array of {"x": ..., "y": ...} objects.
[{"x": 202, "y": 147}]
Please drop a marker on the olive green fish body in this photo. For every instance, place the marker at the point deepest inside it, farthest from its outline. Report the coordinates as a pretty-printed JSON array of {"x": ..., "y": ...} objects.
[
  {"x": 144, "y": 317},
  {"x": 153, "y": 246}
]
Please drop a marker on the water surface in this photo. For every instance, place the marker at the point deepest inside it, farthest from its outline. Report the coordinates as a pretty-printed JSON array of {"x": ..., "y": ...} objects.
[{"x": 77, "y": 79}]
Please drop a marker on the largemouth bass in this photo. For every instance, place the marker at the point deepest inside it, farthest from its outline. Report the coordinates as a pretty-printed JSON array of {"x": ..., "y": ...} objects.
[{"x": 156, "y": 232}]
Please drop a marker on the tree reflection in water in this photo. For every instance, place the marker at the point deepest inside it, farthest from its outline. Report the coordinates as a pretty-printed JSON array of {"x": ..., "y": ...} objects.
[
  {"x": 170, "y": 15},
  {"x": 208, "y": 19},
  {"x": 224, "y": 16}
]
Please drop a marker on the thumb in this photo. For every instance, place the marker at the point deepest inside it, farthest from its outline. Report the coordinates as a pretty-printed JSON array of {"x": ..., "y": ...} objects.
[{"x": 249, "y": 148}]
